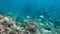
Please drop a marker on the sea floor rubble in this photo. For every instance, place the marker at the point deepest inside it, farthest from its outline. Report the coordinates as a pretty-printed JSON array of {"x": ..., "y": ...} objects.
[{"x": 13, "y": 25}]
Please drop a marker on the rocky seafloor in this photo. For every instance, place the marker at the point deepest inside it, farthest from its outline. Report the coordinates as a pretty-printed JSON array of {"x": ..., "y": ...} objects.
[{"x": 41, "y": 25}]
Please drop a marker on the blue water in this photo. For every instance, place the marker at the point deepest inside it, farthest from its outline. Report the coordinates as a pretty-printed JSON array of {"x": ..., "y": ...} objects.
[
  {"x": 30, "y": 7},
  {"x": 33, "y": 8}
]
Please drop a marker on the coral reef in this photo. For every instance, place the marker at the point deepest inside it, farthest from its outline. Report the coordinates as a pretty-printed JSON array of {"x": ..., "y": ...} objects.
[
  {"x": 8, "y": 26},
  {"x": 28, "y": 25}
]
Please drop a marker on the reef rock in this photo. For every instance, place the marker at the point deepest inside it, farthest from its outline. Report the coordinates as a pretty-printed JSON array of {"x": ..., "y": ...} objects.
[{"x": 8, "y": 26}]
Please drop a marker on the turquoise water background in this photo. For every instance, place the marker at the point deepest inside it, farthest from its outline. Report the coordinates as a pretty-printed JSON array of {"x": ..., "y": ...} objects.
[
  {"x": 48, "y": 10},
  {"x": 33, "y": 8}
]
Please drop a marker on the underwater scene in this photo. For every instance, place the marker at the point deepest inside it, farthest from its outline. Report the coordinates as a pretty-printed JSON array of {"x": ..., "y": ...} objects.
[{"x": 29, "y": 16}]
